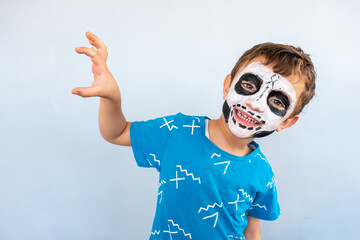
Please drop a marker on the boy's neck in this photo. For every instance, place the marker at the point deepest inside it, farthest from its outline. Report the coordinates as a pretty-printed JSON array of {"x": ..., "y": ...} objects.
[{"x": 221, "y": 136}]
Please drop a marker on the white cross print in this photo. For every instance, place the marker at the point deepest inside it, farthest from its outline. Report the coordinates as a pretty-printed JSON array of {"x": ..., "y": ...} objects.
[
  {"x": 167, "y": 124},
  {"x": 176, "y": 179},
  {"x": 170, "y": 232},
  {"x": 236, "y": 202},
  {"x": 192, "y": 126}
]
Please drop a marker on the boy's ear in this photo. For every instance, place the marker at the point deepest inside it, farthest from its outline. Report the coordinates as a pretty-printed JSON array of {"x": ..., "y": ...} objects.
[
  {"x": 226, "y": 88},
  {"x": 288, "y": 123}
]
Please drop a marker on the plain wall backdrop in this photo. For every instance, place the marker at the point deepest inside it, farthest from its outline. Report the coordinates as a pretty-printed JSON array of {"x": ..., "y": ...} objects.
[{"x": 60, "y": 180}]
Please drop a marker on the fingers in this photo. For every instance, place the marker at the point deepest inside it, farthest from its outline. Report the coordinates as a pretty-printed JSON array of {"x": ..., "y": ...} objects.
[
  {"x": 91, "y": 52},
  {"x": 95, "y": 41},
  {"x": 85, "y": 91}
]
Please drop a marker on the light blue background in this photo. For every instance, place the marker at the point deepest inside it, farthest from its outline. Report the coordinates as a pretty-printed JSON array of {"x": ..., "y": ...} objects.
[{"x": 60, "y": 180}]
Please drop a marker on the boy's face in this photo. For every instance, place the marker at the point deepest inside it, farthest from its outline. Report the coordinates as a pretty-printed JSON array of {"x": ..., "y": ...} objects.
[{"x": 259, "y": 101}]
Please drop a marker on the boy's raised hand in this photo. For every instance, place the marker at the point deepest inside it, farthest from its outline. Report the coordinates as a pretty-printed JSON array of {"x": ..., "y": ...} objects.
[{"x": 104, "y": 84}]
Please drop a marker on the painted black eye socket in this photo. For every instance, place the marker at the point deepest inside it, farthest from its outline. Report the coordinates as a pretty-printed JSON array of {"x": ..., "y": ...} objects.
[
  {"x": 278, "y": 103},
  {"x": 248, "y": 84}
]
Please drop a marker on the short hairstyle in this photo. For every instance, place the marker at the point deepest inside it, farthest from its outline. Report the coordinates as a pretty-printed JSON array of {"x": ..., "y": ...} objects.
[{"x": 285, "y": 60}]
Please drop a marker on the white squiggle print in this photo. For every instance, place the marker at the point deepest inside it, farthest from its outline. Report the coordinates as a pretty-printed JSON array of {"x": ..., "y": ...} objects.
[
  {"x": 155, "y": 232},
  {"x": 270, "y": 184},
  {"x": 162, "y": 183},
  {"x": 212, "y": 206},
  {"x": 246, "y": 194},
  {"x": 156, "y": 160},
  {"x": 236, "y": 237},
  {"x": 188, "y": 174},
  {"x": 263, "y": 158},
  {"x": 215, "y": 154},
  {"x": 258, "y": 205},
  {"x": 167, "y": 124},
  {"x": 177, "y": 225}
]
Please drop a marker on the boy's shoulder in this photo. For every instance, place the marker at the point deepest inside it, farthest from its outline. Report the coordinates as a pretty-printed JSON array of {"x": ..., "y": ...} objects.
[
  {"x": 182, "y": 116},
  {"x": 185, "y": 119}
]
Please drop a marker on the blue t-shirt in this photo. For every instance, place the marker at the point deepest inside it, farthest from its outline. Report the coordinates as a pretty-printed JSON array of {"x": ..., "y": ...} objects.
[{"x": 204, "y": 192}]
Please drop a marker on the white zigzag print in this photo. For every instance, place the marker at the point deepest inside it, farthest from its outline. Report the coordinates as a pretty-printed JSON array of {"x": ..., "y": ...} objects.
[
  {"x": 162, "y": 183},
  {"x": 257, "y": 205},
  {"x": 156, "y": 160},
  {"x": 212, "y": 206},
  {"x": 167, "y": 124},
  {"x": 155, "y": 232},
  {"x": 177, "y": 225},
  {"x": 262, "y": 157},
  {"x": 246, "y": 195},
  {"x": 236, "y": 237},
  {"x": 215, "y": 154},
  {"x": 271, "y": 183},
  {"x": 188, "y": 174}
]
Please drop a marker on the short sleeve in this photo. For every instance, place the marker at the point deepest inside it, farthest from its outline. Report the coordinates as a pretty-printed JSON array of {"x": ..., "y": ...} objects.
[
  {"x": 265, "y": 205},
  {"x": 149, "y": 140}
]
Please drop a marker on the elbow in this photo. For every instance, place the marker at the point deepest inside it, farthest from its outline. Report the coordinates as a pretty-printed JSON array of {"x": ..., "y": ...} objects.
[
  {"x": 252, "y": 235},
  {"x": 122, "y": 138}
]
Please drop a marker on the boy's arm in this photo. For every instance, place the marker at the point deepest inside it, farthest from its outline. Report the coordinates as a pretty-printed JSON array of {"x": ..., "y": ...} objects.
[
  {"x": 113, "y": 126},
  {"x": 252, "y": 231}
]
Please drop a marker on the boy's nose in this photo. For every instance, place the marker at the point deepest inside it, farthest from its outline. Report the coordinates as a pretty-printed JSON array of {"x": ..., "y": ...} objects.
[{"x": 254, "y": 105}]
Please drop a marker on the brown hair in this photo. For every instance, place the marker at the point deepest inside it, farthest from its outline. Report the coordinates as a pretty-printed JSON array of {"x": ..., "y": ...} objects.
[{"x": 285, "y": 60}]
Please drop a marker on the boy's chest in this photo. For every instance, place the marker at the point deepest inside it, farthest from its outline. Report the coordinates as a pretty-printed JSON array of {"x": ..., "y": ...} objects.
[{"x": 196, "y": 176}]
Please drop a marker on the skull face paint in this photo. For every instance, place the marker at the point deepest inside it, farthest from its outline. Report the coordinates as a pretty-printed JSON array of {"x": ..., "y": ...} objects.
[{"x": 258, "y": 101}]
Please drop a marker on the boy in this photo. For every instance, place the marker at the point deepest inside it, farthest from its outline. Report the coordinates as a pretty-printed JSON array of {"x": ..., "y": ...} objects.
[{"x": 214, "y": 181}]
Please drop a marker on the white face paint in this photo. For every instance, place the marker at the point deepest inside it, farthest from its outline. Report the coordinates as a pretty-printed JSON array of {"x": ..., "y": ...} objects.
[{"x": 259, "y": 100}]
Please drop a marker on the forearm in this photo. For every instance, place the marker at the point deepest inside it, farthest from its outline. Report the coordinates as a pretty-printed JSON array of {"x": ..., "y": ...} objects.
[
  {"x": 252, "y": 231},
  {"x": 252, "y": 236},
  {"x": 112, "y": 121}
]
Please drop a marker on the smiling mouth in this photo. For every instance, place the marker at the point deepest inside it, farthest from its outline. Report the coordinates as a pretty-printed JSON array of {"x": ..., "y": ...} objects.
[
  {"x": 245, "y": 120},
  {"x": 243, "y": 117}
]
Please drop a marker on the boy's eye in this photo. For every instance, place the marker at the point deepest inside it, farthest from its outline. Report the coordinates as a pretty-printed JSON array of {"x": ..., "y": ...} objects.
[
  {"x": 277, "y": 103},
  {"x": 249, "y": 86}
]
